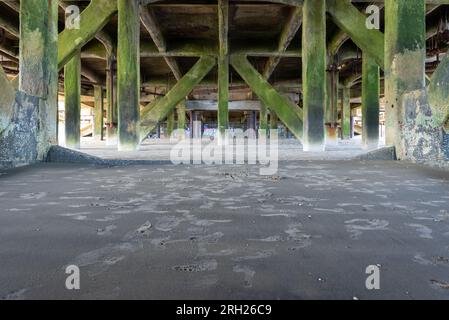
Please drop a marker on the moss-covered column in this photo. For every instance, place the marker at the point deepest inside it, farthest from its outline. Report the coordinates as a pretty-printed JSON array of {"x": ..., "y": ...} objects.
[
  {"x": 331, "y": 111},
  {"x": 38, "y": 74},
  {"x": 98, "y": 113},
  {"x": 181, "y": 114},
  {"x": 263, "y": 117},
  {"x": 111, "y": 114},
  {"x": 370, "y": 101},
  {"x": 346, "y": 113},
  {"x": 170, "y": 123},
  {"x": 314, "y": 73},
  {"x": 33, "y": 32},
  {"x": 223, "y": 94},
  {"x": 405, "y": 51},
  {"x": 72, "y": 93},
  {"x": 128, "y": 75},
  {"x": 273, "y": 121}
]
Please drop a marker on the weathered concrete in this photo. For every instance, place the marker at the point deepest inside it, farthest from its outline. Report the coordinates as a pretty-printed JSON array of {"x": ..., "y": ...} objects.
[
  {"x": 288, "y": 112},
  {"x": 170, "y": 123},
  {"x": 314, "y": 73},
  {"x": 19, "y": 140},
  {"x": 72, "y": 98},
  {"x": 349, "y": 19},
  {"x": 158, "y": 110},
  {"x": 263, "y": 117},
  {"x": 331, "y": 110},
  {"x": 128, "y": 75},
  {"x": 98, "y": 114},
  {"x": 93, "y": 19},
  {"x": 181, "y": 115},
  {"x": 307, "y": 233},
  {"x": 422, "y": 135},
  {"x": 370, "y": 102},
  {"x": 111, "y": 93},
  {"x": 346, "y": 113},
  {"x": 405, "y": 52}
]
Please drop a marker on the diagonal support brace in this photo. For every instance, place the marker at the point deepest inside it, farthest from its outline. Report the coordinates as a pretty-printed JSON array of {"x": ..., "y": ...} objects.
[
  {"x": 288, "y": 112},
  {"x": 353, "y": 22},
  {"x": 158, "y": 110},
  {"x": 93, "y": 19}
]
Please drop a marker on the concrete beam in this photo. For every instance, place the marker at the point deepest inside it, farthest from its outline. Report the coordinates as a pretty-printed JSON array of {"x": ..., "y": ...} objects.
[
  {"x": 93, "y": 19},
  {"x": 101, "y": 35},
  {"x": 314, "y": 73},
  {"x": 7, "y": 98},
  {"x": 158, "y": 110},
  {"x": 289, "y": 31},
  {"x": 33, "y": 31},
  {"x": 349, "y": 19},
  {"x": 288, "y": 112},
  {"x": 128, "y": 75},
  {"x": 181, "y": 113},
  {"x": 150, "y": 23}
]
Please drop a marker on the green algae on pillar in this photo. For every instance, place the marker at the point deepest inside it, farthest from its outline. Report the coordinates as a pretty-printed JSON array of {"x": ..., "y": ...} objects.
[
  {"x": 263, "y": 117},
  {"x": 98, "y": 113},
  {"x": 273, "y": 121},
  {"x": 405, "y": 52},
  {"x": 331, "y": 111},
  {"x": 223, "y": 95},
  {"x": 111, "y": 114},
  {"x": 370, "y": 101},
  {"x": 170, "y": 123},
  {"x": 49, "y": 110},
  {"x": 287, "y": 111},
  {"x": 314, "y": 73},
  {"x": 33, "y": 32},
  {"x": 72, "y": 93},
  {"x": 181, "y": 113},
  {"x": 159, "y": 109},
  {"x": 346, "y": 113},
  {"x": 128, "y": 75}
]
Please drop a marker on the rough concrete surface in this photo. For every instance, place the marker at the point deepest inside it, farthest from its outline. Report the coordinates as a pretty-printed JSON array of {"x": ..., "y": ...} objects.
[{"x": 206, "y": 232}]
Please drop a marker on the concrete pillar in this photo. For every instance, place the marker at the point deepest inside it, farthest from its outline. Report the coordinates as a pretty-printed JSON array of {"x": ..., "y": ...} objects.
[
  {"x": 111, "y": 113},
  {"x": 331, "y": 111},
  {"x": 170, "y": 123},
  {"x": 196, "y": 125},
  {"x": 263, "y": 117},
  {"x": 346, "y": 114},
  {"x": 72, "y": 93},
  {"x": 405, "y": 52},
  {"x": 370, "y": 101},
  {"x": 128, "y": 75},
  {"x": 181, "y": 113},
  {"x": 314, "y": 73},
  {"x": 273, "y": 121},
  {"x": 98, "y": 113},
  {"x": 38, "y": 75},
  {"x": 223, "y": 95}
]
